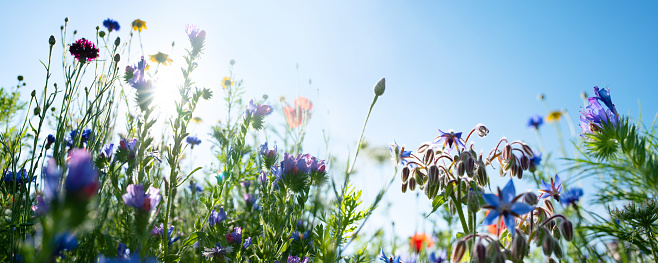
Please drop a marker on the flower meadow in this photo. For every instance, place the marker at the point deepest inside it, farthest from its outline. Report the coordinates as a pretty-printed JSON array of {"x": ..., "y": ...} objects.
[{"x": 94, "y": 171}]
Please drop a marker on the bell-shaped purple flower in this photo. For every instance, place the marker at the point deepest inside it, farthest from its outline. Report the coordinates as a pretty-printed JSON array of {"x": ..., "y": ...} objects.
[
  {"x": 137, "y": 198},
  {"x": 82, "y": 178},
  {"x": 505, "y": 207},
  {"x": 216, "y": 217}
]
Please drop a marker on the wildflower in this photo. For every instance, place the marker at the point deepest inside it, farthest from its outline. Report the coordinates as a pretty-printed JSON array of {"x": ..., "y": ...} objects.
[
  {"x": 296, "y": 259},
  {"x": 195, "y": 187},
  {"x": 65, "y": 242},
  {"x": 263, "y": 177},
  {"x": 300, "y": 114},
  {"x": 386, "y": 259},
  {"x": 552, "y": 189},
  {"x": 107, "y": 150},
  {"x": 161, "y": 58},
  {"x": 235, "y": 236},
  {"x": 249, "y": 198},
  {"x": 216, "y": 217},
  {"x": 258, "y": 109},
  {"x": 418, "y": 240},
  {"x": 128, "y": 146},
  {"x": 449, "y": 139},
  {"x": 493, "y": 228},
  {"x": 535, "y": 121},
  {"x": 158, "y": 231},
  {"x": 41, "y": 207},
  {"x": 135, "y": 75},
  {"x": 50, "y": 140},
  {"x": 554, "y": 116},
  {"x": 217, "y": 252},
  {"x": 504, "y": 206},
  {"x": 571, "y": 196},
  {"x": 21, "y": 177},
  {"x": 398, "y": 153},
  {"x": 269, "y": 155},
  {"x": 192, "y": 141},
  {"x": 82, "y": 178},
  {"x": 137, "y": 198},
  {"x": 86, "y": 133},
  {"x": 138, "y": 25},
  {"x": 247, "y": 243},
  {"x": 197, "y": 37},
  {"x": 594, "y": 116},
  {"x": 197, "y": 120},
  {"x": 111, "y": 25},
  {"x": 52, "y": 176},
  {"x": 83, "y": 50},
  {"x": 536, "y": 158},
  {"x": 604, "y": 96},
  {"x": 438, "y": 257},
  {"x": 226, "y": 82}
]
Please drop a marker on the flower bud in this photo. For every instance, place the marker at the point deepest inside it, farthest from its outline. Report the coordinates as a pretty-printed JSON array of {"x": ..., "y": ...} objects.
[
  {"x": 37, "y": 110},
  {"x": 427, "y": 191},
  {"x": 51, "y": 40},
  {"x": 433, "y": 174},
  {"x": 557, "y": 250},
  {"x": 530, "y": 198},
  {"x": 459, "y": 168},
  {"x": 540, "y": 97},
  {"x": 519, "y": 247},
  {"x": 507, "y": 153},
  {"x": 428, "y": 157},
  {"x": 550, "y": 260},
  {"x": 556, "y": 233},
  {"x": 34, "y": 93},
  {"x": 66, "y": 20},
  {"x": 481, "y": 130},
  {"x": 458, "y": 251},
  {"x": 101, "y": 34},
  {"x": 473, "y": 202},
  {"x": 405, "y": 174},
  {"x": 452, "y": 208},
  {"x": 547, "y": 244},
  {"x": 117, "y": 57},
  {"x": 404, "y": 188},
  {"x": 528, "y": 150},
  {"x": 525, "y": 162},
  {"x": 567, "y": 230},
  {"x": 479, "y": 253},
  {"x": 117, "y": 41},
  {"x": 380, "y": 87},
  {"x": 519, "y": 171},
  {"x": 412, "y": 184}
]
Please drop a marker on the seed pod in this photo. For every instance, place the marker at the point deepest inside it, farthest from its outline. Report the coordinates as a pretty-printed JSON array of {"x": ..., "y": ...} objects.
[
  {"x": 405, "y": 174},
  {"x": 567, "y": 230},
  {"x": 480, "y": 253},
  {"x": 412, "y": 184},
  {"x": 525, "y": 162},
  {"x": 458, "y": 251},
  {"x": 404, "y": 188},
  {"x": 530, "y": 198},
  {"x": 473, "y": 202}
]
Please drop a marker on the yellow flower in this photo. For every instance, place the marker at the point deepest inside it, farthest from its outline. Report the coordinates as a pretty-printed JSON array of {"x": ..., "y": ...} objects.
[
  {"x": 554, "y": 116},
  {"x": 138, "y": 25},
  {"x": 161, "y": 58},
  {"x": 226, "y": 82},
  {"x": 197, "y": 120}
]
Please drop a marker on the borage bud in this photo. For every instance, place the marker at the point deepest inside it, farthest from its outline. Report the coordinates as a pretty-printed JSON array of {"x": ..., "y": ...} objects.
[
  {"x": 405, "y": 174},
  {"x": 433, "y": 174},
  {"x": 556, "y": 233},
  {"x": 525, "y": 162},
  {"x": 481, "y": 130},
  {"x": 530, "y": 198},
  {"x": 549, "y": 205},
  {"x": 547, "y": 244},
  {"x": 519, "y": 247},
  {"x": 550, "y": 260},
  {"x": 480, "y": 253},
  {"x": 459, "y": 168},
  {"x": 412, "y": 184},
  {"x": 507, "y": 153},
  {"x": 452, "y": 208},
  {"x": 473, "y": 201},
  {"x": 528, "y": 150},
  {"x": 117, "y": 57},
  {"x": 458, "y": 251},
  {"x": 557, "y": 250},
  {"x": 567, "y": 230},
  {"x": 51, "y": 40},
  {"x": 519, "y": 171},
  {"x": 428, "y": 157},
  {"x": 404, "y": 187},
  {"x": 380, "y": 87}
]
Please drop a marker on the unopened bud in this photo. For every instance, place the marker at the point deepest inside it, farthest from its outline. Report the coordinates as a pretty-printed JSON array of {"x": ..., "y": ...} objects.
[
  {"x": 66, "y": 19},
  {"x": 556, "y": 233},
  {"x": 405, "y": 174},
  {"x": 473, "y": 201},
  {"x": 459, "y": 168},
  {"x": 547, "y": 244},
  {"x": 433, "y": 174},
  {"x": 428, "y": 157},
  {"x": 481, "y": 130},
  {"x": 117, "y": 41},
  {"x": 540, "y": 97},
  {"x": 525, "y": 162},
  {"x": 37, "y": 110},
  {"x": 507, "y": 153},
  {"x": 528, "y": 150},
  {"x": 557, "y": 250},
  {"x": 458, "y": 251},
  {"x": 530, "y": 198},
  {"x": 33, "y": 93},
  {"x": 232, "y": 62},
  {"x": 101, "y": 34},
  {"x": 404, "y": 188},
  {"x": 75, "y": 32},
  {"x": 380, "y": 87},
  {"x": 480, "y": 253},
  {"x": 452, "y": 208},
  {"x": 550, "y": 260},
  {"x": 51, "y": 40},
  {"x": 567, "y": 230},
  {"x": 519, "y": 247},
  {"x": 549, "y": 205},
  {"x": 412, "y": 184},
  {"x": 519, "y": 171}
]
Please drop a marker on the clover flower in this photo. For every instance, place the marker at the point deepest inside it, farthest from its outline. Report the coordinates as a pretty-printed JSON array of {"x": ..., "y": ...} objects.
[
  {"x": 594, "y": 116},
  {"x": 216, "y": 217},
  {"x": 398, "y": 154},
  {"x": 504, "y": 206},
  {"x": 82, "y": 178},
  {"x": 552, "y": 189},
  {"x": 83, "y": 50},
  {"x": 137, "y": 198},
  {"x": 438, "y": 257},
  {"x": 300, "y": 114},
  {"x": 218, "y": 252},
  {"x": 386, "y": 259},
  {"x": 161, "y": 58},
  {"x": 449, "y": 139},
  {"x": 192, "y": 141},
  {"x": 571, "y": 196},
  {"x": 535, "y": 121},
  {"x": 138, "y": 25},
  {"x": 258, "y": 109},
  {"x": 111, "y": 25}
]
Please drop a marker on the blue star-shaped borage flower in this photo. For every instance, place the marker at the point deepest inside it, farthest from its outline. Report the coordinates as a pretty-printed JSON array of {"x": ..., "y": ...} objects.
[
  {"x": 449, "y": 139},
  {"x": 505, "y": 207},
  {"x": 552, "y": 189}
]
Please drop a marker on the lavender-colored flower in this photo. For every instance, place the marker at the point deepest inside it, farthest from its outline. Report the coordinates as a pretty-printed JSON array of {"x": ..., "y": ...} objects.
[
  {"x": 107, "y": 151},
  {"x": 158, "y": 231},
  {"x": 258, "y": 109},
  {"x": 398, "y": 153},
  {"x": 196, "y": 36},
  {"x": 111, "y": 25},
  {"x": 129, "y": 146},
  {"x": 235, "y": 236},
  {"x": 391, "y": 259},
  {"x": 449, "y": 139},
  {"x": 296, "y": 259},
  {"x": 263, "y": 177},
  {"x": 192, "y": 141},
  {"x": 505, "y": 207},
  {"x": 41, "y": 207},
  {"x": 535, "y": 121},
  {"x": 82, "y": 178},
  {"x": 317, "y": 165},
  {"x": 571, "y": 196},
  {"x": 249, "y": 199},
  {"x": 552, "y": 189},
  {"x": 245, "y": 183},
  {"x": 267, "y": 152},
  {"x": 137, "y": 198},
  {"x": 195, "y": 187},
  {"x": 217, "y": 252},
  {"x": 439, "y": 257},
  {"x": 52, "y": 176},
  {"x": 594, "y": 116},
  {"x": 216, "y": 217},
  {"x": 604, "y": 96},
  {"x": 83, "y": 50},
  {"x": 64, "y": 242},
  {"x": 247, "y": 243},
  {"x": 123, "y": 253},
  {"x": 84, "y": 137}
]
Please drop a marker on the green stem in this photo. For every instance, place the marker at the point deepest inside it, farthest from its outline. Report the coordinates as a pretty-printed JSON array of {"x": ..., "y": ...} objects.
[
  {"x": 653, "y": 245},
  {"x": 458, "y": 204}
]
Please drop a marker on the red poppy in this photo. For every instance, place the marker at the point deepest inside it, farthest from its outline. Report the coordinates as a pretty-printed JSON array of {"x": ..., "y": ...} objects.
[
  {"x": 300, "y": 113},
  {"x": 493, "y": 228},
  {"x": 416, "y": 241}
]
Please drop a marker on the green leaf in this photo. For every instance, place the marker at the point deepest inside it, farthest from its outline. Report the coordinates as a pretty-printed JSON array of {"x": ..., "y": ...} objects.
[
  {"x": 194, "y": 237},
  {"x": 438, "y": 201}
]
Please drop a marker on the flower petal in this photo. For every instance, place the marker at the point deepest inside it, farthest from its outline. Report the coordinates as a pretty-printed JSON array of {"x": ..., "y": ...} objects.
[
  {"x": 508, "y": 192},
  {"x": 491, "y": 218},
  {"x": 491, "y": 199},
  {"x": 521, "y": 208},
  {"x": 510, "y": 224}
]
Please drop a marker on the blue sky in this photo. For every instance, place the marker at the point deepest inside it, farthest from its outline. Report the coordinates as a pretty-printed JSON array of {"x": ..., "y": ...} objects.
[{"x": 448, "y": 64}]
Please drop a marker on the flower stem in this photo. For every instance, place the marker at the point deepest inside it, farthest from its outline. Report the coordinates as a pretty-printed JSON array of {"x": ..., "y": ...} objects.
[
  {"x": 458, "y": 205},
  {"x": 653, "y": 245}
]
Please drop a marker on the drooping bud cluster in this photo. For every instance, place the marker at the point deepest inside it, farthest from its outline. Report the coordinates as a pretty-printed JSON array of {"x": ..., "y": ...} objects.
[{"x": 514, "y": 158}]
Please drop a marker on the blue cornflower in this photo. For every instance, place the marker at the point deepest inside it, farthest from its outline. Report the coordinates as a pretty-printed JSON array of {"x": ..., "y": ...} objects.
[
  {"x": 21, "y": 177},
  {"x": 258, "y": 109},
  {"x": 504, "y": 206},
  {"x": 137, "y": 198},
  {"x": 86, "y": 133},
  {"x": 111, "y": 25},
  {"x": 449, "y": 139},
  {"x": 386, "y": 259},
  {"x": 536, "y": 158},
  {"x": 604, "y": 96},
  {"x": 50, "y": 140},
  {"x": 438, "y": 257},
  {"x": 107, "y": 151},
  {"x": 216, "y": 217},
  {"x": 571, "y": 196},
  {"x": 123, "y": 253},
  {"x": 192, "y": 141},
  {"x": 247, "y": 243},
  {"x": 552, "y": 189},
  {"x": 594, "y": 116},
  {"x": 65, "y": 241},
  {"x": 398, "y": 153},
  {"x": 535, "y": 121},
  {"x": 82, "y": 178}
]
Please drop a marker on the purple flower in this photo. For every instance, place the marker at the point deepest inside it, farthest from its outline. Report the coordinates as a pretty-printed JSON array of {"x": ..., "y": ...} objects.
[
  {"x": 398, "y": 153},
  {"x": 86, "y": 133},
  {"x": 216, "y": 217},
  {"x": 197, "y": 37},
  {"x": 107, "y": 151},
  {"x": 111, "y": 25},
  {"x": 235, "y": 236},
  {"x": 536, "y": 158},
  {"x": 438, "y": 257},
  {"x": 449, "y": 139},
  {"x": 137, "y": 198},
  {"x": 258, "y": 109},
  {"x": 263, "y": 177},
  {"x": 195, "y": 187},
  {"x": 604, "y": 96},
  {"x": 82, "y": 178},
  {"x": 296, "y": 259},
  {"x": 552, "y": 189},
  {"x": 245, "y": 184},
  {"x": 249, "y": 199},
  {"x": 505, "y": 207},
  {"x": 571, "y": 196},
  {"x": 83, "y": 50},
  {"x": 65, "y": 242},
  {"x": 41, "y": 207},
  {"x": 269, "y": 155},
  {"x": 128, "y": 146},
  {"x": 50, "y": 140},
  {"x": 158, "y": 231},
  {"x": 391, "y": 259},
  {"x": 192, "y": 141},
  {"x": 123, "y": 253},
  {"x": 136, "y": 77},
  {"x": 217, "y": 252},
  {"x": 535, "y": 121},
  {"x": 594, "y": 116},
  {"x": 21, "y": 177},
  {"x": 247, "y": 243},
  {"x": 52, "y": 176}
]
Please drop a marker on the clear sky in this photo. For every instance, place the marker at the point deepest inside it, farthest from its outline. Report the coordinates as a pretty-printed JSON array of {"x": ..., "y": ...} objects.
[{"x": 448, "y": 64}]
